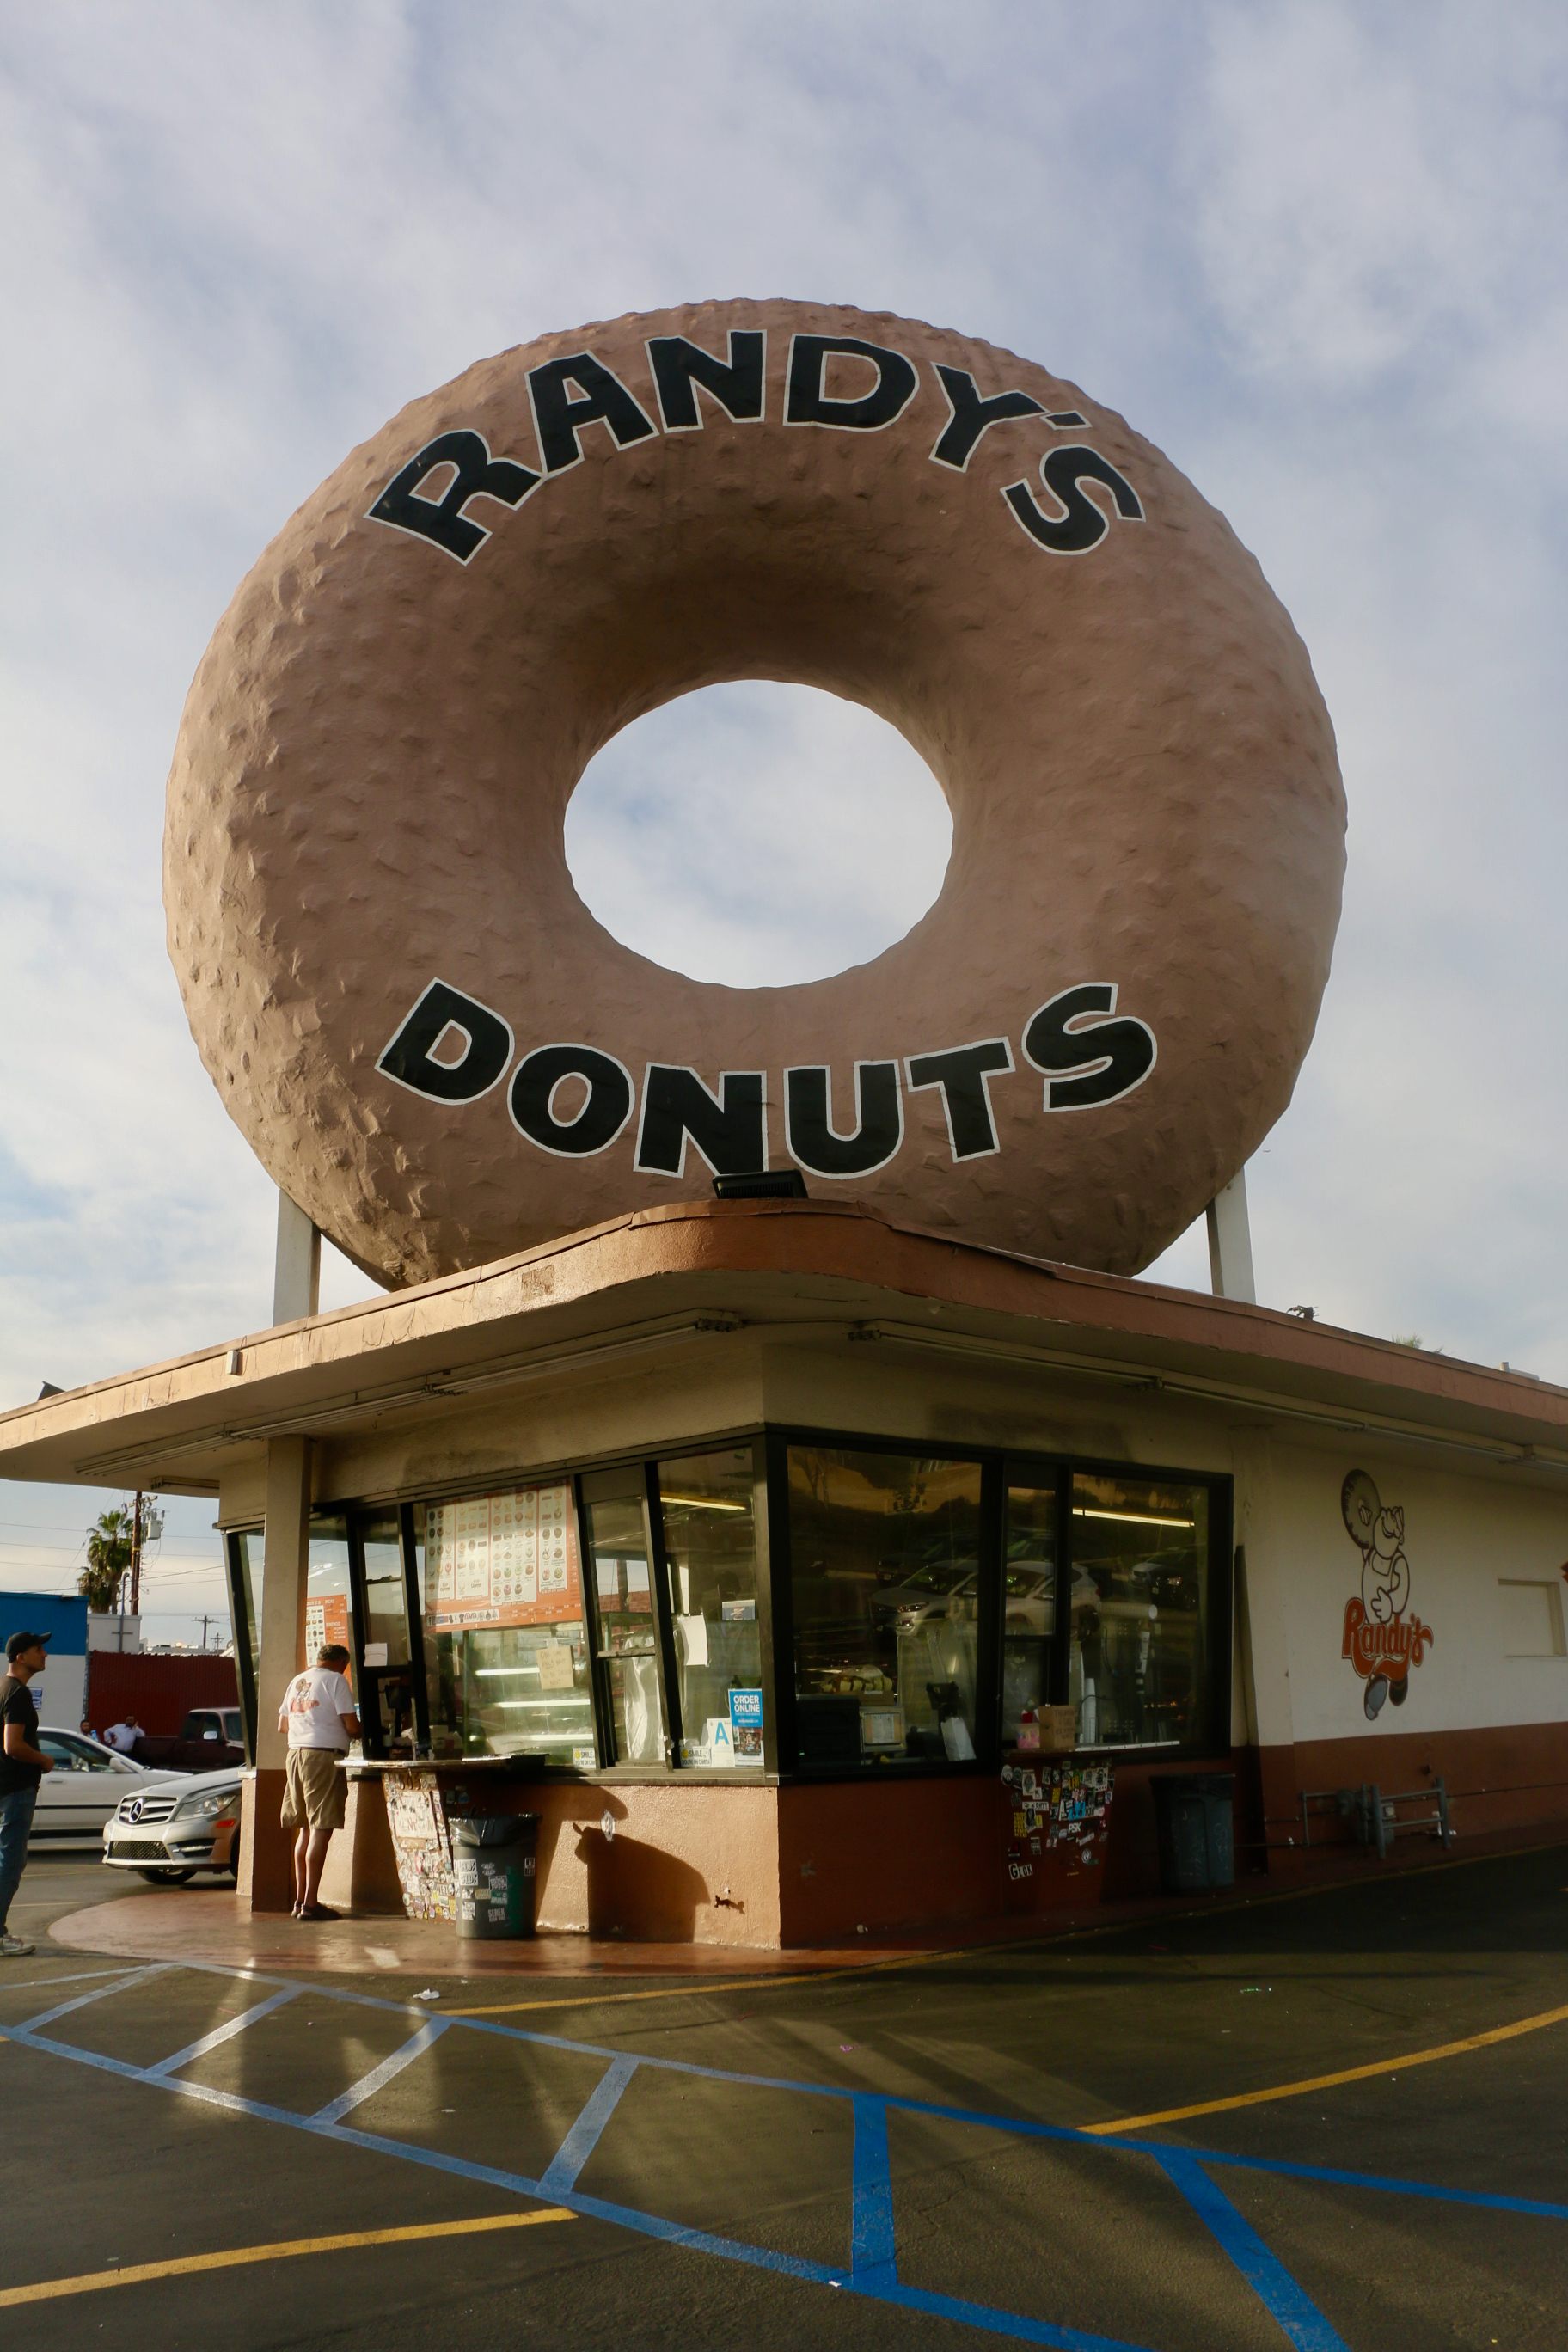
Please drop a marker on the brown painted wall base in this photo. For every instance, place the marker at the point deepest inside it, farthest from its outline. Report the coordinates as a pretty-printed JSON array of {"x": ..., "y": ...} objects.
[
  {"x": 361, "y": 1874},
  {"x": 827, "y": 1862},
  {"x": 1515, "y": 1776},
  {"x": 266, "y": 1847}
]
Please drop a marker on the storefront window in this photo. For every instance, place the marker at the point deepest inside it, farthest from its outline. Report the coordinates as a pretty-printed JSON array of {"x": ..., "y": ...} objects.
[
  {"x": 245, "y": 1551},
  {"x": 1139, "y": 1553},
  {"x": 506, "y": 1641},
  {"x": 709, "y": 1545},
  {"x": 628, "y": 1637},
  {"x": 327, "y": 1587},
  {"x": 250, "y": 1553},
  {"x": 885, "y": 1580},
  {"x": 385, "y": 1678},
  {"x": 1028, "y": 1611}
]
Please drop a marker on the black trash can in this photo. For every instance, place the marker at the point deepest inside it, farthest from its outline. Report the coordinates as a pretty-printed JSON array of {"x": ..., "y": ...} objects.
[
  {"x": 1194, "y": 1815},
  {"x": 494, "y": 1857}
]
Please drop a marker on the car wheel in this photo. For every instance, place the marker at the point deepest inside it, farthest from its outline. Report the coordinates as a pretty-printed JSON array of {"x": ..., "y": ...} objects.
[{"x": 165, "y": 1877}]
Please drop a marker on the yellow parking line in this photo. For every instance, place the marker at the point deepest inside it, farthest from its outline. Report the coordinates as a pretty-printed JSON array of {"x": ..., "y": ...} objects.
[
  {"x": 133, "y": 2274},
  {"x": 1328, "y": 2081},
  {"x": 697, "y": 1985}
]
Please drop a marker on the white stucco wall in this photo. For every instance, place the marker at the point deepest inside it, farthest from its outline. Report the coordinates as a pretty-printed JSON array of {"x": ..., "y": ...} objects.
[{"x": 1464, "y": 1532}]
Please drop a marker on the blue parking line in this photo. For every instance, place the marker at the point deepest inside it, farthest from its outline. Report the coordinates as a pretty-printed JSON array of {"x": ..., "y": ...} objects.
[
  {"x": 1025, "y": 2127},
  {"x": 560, "y": 2175},
  {"x": 872, "y": 2273},
  {"x": 1286, "y": 2304},
  {"x": 981, "y": 2317},
  {"x": 1335, "y": 2177},
  {"x": 873, "y": 2255}
]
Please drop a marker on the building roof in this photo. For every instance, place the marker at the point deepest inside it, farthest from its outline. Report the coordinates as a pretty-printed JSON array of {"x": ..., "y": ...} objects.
[{"x": 644, "y": 1283}]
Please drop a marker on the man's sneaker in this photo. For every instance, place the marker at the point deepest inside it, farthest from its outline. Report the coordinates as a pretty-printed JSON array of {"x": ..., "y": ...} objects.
[{"x": 13, "y": 1948}]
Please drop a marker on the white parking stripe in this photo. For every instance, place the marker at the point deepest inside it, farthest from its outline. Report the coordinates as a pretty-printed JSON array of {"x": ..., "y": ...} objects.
[
  {"x": 379, "y": 2076},
  {"x": 221, "y": 2033},
  {"x": 123, "y": 1983}
]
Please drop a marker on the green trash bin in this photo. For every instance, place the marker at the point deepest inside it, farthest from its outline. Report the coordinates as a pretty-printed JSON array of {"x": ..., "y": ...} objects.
[
  {"x": 494, "y": 1859},
  {"x": 1194, "y": 1815}
]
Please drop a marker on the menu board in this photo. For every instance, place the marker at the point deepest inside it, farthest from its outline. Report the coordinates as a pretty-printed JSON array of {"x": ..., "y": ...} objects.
[
  {"x": 502, "y": 1559},
  {"x": 326, "y": 1619}
]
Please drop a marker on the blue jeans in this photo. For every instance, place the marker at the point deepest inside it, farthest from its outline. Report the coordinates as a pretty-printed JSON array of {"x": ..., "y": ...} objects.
[{"x": 15, "y": 1821}]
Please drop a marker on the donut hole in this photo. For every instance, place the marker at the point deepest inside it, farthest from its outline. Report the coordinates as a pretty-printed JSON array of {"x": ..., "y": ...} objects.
[{"x": 758, "y": 834}]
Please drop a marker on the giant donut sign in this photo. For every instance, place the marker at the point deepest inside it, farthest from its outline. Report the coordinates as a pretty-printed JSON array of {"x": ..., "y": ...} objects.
[{"x": 439, "y": 1053}]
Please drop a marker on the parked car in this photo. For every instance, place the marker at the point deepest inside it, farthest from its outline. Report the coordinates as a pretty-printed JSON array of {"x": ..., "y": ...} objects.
[
  {"x": 170, "y": 1828},
  {"x": 209, "y": 1736},
  {"x": 88, "y": 1780}
]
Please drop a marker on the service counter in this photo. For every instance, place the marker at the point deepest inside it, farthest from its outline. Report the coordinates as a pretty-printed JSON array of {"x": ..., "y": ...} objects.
[
  {"x": 403, "y": 1813},
  {"x": 693, "y": 1860}
]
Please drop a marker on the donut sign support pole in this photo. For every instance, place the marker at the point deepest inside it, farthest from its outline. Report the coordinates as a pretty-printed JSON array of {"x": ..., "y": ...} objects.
[
  {"x": 1230, "y": 1242},
  {"x": 297, "y": 1264}
]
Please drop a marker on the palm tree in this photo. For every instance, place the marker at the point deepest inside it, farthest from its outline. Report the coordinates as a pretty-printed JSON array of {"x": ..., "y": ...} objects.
[{"x": 107, "y": 1557}]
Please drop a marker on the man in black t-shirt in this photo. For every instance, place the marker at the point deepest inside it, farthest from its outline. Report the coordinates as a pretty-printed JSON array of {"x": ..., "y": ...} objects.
[{"x": 23, "y": 1765}]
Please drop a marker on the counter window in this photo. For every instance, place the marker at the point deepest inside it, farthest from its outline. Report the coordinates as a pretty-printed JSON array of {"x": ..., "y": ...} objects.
[
  {"x": 1138, "y": 1667},
  {"x": 327, "y": 1586},
  {"x": 710, "y": 1558},
  {"x": 1028, "y": 1611},
  {"x": 245, "y": 1552},
  {"x": 885, "y": 1580},
  {"x": 506, "y": 1643},
  {"x": 623, "y": 1596},
  {"x": 386, "y": 1681}
]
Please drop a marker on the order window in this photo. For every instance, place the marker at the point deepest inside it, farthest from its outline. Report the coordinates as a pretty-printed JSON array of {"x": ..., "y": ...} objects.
[
  {"x": 1138, "y": 1658},
  {"x": 885, "y": 1591}
]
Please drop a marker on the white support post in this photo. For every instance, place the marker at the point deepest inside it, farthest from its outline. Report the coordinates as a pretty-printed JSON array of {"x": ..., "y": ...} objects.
[
  {"x": 297, "y": 1269},
  {"x": 266, "y": 1870},
  {"x": 1230, "y": 1242}
]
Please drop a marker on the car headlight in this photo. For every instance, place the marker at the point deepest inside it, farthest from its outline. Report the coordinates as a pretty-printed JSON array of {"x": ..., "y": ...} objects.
[{"x": 204, "y": 1807}]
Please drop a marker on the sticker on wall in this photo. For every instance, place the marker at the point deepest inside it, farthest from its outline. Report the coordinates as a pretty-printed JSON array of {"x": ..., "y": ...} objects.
[{"x": 1384, "y": 1638}]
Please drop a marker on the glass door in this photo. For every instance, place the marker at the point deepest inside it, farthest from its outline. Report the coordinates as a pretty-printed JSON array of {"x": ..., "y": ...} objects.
[
  {"x": 627, "y": 1633},
  {"x": 385, "y": 1681},
  {"x": 1028, "y": 1607}
]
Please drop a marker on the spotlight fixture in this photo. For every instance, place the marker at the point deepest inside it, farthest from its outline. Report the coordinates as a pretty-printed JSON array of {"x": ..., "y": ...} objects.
[{"x": 761, "y": 1184}]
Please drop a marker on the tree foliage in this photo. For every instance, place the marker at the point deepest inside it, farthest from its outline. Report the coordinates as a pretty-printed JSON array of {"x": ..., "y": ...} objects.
[{"x": 109, "y": 1543}]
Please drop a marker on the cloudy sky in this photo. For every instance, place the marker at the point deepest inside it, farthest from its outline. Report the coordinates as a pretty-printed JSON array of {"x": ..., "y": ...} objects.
[{"x": 1315, "y": 253}]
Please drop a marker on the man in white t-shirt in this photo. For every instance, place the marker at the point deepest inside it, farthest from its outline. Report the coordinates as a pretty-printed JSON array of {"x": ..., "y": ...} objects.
[
  {"x": 123, "y": 1737},
  {"x": 318, "y": 1713}
]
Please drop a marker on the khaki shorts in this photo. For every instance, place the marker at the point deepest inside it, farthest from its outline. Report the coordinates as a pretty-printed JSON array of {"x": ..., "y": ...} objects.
[{"x": 315, "y": 1792}]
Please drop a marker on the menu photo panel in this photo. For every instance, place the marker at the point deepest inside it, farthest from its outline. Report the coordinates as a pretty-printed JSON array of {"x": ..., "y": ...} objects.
[{"x": 508, "y": 1559}]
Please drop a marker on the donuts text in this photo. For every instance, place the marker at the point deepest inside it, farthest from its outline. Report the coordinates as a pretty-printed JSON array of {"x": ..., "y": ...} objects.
[
  {"x": 574, "y": 1100},
  {"x": 430, "y": 496}
]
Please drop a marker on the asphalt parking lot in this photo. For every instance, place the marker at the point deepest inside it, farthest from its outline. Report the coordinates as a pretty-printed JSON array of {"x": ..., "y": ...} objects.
[{"x": 1335, "y": 2120}]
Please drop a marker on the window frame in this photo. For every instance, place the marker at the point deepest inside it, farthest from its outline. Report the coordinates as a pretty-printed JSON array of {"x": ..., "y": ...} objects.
[
  {"x": 245, "y": 1634},
  {"x": 1219, "y": 1574},
  {"x": 999, "y": 1466}
]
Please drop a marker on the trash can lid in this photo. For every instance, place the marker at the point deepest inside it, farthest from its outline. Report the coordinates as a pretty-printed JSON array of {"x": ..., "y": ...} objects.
[{"x": 493, "y": 1829}]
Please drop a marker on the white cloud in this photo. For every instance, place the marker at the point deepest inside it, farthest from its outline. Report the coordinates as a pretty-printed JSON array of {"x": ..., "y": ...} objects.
[
  {"x": 686, "y": 835},
  {"x": 1313, "y": 252}
]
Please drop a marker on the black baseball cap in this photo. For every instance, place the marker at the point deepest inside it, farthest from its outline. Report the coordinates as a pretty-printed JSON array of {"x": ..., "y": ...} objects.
[{"x": 20, "y": 1641}]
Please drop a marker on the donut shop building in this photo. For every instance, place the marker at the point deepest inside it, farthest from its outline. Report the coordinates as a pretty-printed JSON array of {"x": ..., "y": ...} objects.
[
  {"x": 744, "y": 1543},
  {"x": 861, "y": 1555}
]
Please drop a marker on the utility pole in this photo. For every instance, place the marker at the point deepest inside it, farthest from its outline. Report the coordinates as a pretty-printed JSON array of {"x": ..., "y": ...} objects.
[{"x": 136, "y": 1558}]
